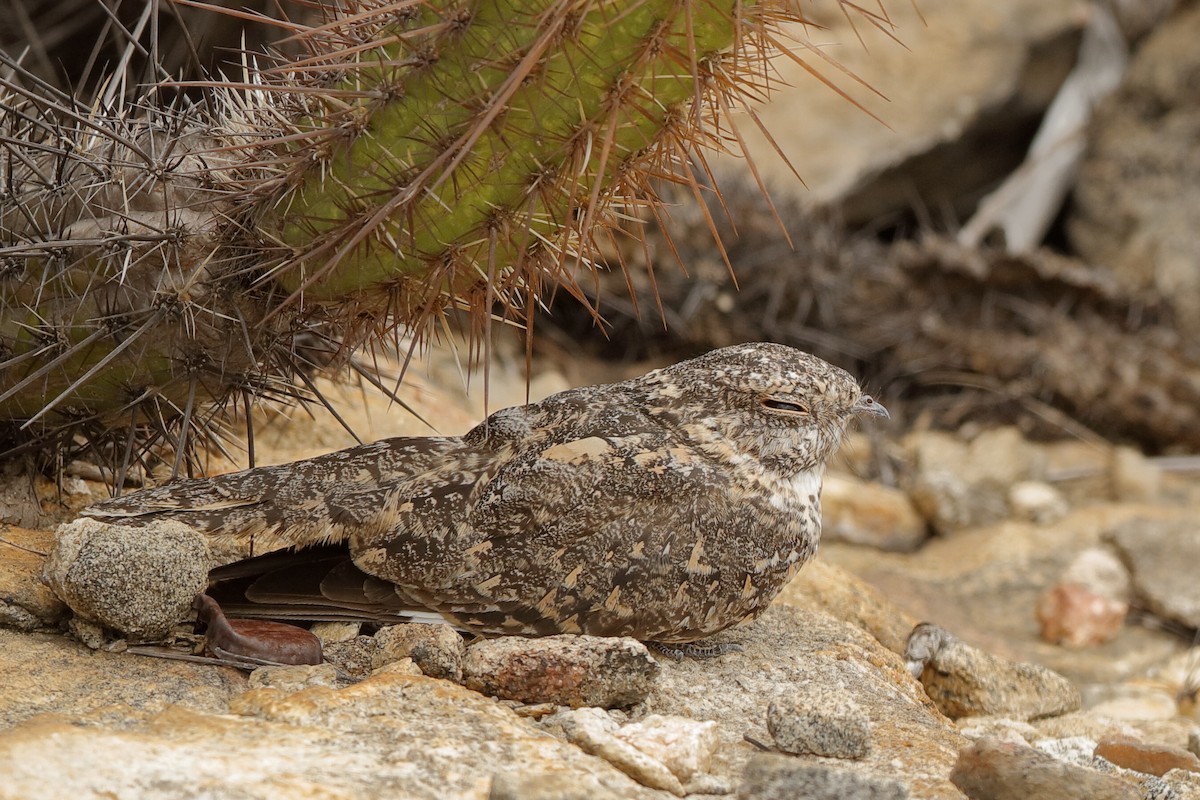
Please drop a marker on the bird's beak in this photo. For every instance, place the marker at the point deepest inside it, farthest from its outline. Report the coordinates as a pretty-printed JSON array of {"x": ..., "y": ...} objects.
[{"x": 869, "y": 405}]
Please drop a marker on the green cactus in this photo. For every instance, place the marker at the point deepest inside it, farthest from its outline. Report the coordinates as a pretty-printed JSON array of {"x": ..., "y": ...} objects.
[{"x": 415, "y": 157}]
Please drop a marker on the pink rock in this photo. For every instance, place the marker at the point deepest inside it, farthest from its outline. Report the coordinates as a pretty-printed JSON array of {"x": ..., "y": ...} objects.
[{"x": 1075, "y": 616}]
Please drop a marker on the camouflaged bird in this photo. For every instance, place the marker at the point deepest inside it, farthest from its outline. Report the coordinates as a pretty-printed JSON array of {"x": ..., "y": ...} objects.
[{"x": 666, "y": 508}]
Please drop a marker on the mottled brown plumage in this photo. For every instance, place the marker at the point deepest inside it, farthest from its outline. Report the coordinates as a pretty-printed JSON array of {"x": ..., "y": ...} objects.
[{"x": 667, "y": 507}]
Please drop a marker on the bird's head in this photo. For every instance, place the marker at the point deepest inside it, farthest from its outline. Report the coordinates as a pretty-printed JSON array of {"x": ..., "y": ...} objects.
[{"x": 779, "y": 405}]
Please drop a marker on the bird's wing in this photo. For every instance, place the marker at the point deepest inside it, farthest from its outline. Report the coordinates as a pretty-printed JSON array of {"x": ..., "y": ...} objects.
[
  {"x": 553, "y": 532},
  {"x": 265, "y": 508}
]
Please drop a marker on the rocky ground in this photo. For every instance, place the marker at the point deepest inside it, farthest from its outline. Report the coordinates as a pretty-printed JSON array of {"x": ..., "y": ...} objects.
[
  {"x": 1055, "y": 580},
  {"x": 993, "y": 613}
]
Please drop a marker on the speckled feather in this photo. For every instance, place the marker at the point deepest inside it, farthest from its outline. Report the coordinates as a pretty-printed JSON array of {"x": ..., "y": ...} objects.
[{"x": 667, "y": 507}]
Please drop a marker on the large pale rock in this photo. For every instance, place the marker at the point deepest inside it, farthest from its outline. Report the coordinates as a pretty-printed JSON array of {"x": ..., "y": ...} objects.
[
  {"x": 1135, "y": 201},
  {"x": 400, "y": 735},
  {"x": 911, "y": 744},
  {"x": 871, "y": 514},
  {"x": 391, "y": 735},
  {"x": 51, "y": 673},
  {"x": 824, "y": 587},
  {"x": 1162, "y": 558},
  {"x": 137, "y": 581},
  {"x": 965, "y": 80}
]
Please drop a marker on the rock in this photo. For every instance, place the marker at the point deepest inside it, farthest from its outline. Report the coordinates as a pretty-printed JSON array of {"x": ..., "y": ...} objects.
[
  {"x": 566, "y": 670},
  {"x": 819, "y": 723},
  {"x": 355, "y": 657},
  {"x": 821, "y": 586},
  {"x": 335, "y": 632},
  {"x": 594, "y": 732},
  {"x": 561, "y": 785},
  {"x": 387, "y": 736},
  {"x": 137, "y": 581},
  {"x": 1135, "y": 479},
  {"x": 985, "y": 585},
  {"x": 911, "y": 743},
  {"x": 26, "y": 602},
  {"x": 1037, "y": 502},
  {"x": 437, "y": 649},
  {"x": 1152, "y": 759},
  {"x": 1088, "y": 605},
  {"x": 1073, "y": 616},
  {"x": 957, "y": 485},
  {"x": 769, "y": 776},
  {"x": 1184, "y": 783},
  {"x": 52, "y": 673},
  {"x": 293, "y": 678},
  {"x": 672, "y": 753},
  {"x": 992, "y": 770},
  {"x": 1098, "y": 570},
  {"x": 999, "y": 728},
  {"x": 685, "y": 746},
  {"x": 870, "y": 514},
  {"x": 1161, "y": 556},
  {"x": 89, "y": 634},
  {"x": 964, "y": 681},
  {"x": 1138, "y": 189},
  {"x": 967, "y": 81},
  {"x": 424, "y": 738}
]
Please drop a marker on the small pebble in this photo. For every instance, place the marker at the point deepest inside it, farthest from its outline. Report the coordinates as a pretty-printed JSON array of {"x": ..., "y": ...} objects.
[
  {"x": 821, "y": 723},
  {"x": 994, "y": 770},
  {"x": 770, "y": 776},
  {"x": 89, "y": 633},
  {"x": 1099, "y": 570},
  {"x": 354, "y": 657},
  {"x": 1152, "y": 759},
  {"x": 437, "y": 649},
  {"x": 294, "y": 678},
  {"x": 565, "y": 670},
  {"x": 1037, "y": 502},
  {"x": 334, "y": 632}
]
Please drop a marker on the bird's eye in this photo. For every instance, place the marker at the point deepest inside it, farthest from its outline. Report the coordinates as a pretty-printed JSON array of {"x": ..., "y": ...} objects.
[{"x": 785, "y": 406}]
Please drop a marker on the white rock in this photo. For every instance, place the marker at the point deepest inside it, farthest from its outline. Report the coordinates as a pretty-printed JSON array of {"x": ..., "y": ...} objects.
[{"x": 1037, "y": 502}]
